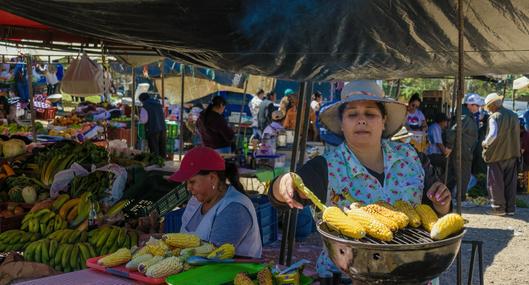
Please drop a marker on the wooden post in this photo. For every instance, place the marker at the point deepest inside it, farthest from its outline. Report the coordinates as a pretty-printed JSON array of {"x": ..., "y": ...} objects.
[
  {"x": 162, "y": 64},
  {"x": 182, "y": 93},
  {"x": 461, "y": 91},
  {"x": 29, "y": 64},
  {"x": 240, "y": 116},
  {"x": 513, "y": 99},
  {"x": 133, "y": 134}
]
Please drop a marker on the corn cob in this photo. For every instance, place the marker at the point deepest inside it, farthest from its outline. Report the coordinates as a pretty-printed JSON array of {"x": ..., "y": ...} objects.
[
  {"x": 181, "y": 240},
  {"x": 406, "y": 208},
  {"x": 142, "y": 251},
  {"x": 117, "y": 258},
  {"x": 133, "y": 264},
  {"x": 224, "y": 251},
  {"x": 447, "y": 225},
  {"x": 372, "y": 226},
  {"x": 202, "y": 250},
  {"x": 142, "y": 267},
  {"x": 168, "y": 266},
  {"x": 264, "y": 277},
  {"x": 389, "y": 223},
  {"x": 400, "y": 218},
  {"x": 428, "y": 216},
  {"x": 157, "y": 247},
  {"x": 242, "y": 279},
  {"x": 338, "y": 220}
]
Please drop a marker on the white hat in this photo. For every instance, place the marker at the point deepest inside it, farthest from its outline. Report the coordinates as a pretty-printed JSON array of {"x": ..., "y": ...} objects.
[
  {"x": 492, "y": 97},
  {"x": 473, "y": 99},
  {"x": 277, "y": 116},
  {"x": 364, "y": 90}
]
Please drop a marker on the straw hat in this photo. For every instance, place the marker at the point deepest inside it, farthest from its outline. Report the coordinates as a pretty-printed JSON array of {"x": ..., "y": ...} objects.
[
  {"x": 365, "y": 90},
  {"x": 492, "y": 97}
]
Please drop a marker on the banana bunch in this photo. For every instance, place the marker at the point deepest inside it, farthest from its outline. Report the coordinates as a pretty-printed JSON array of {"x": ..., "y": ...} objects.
[
  {"x": 64, "y": 257},
  {"x": 108, "y": 239},
  {"x": 43, "y": 221},
  {"x": 16, "y": 240},
  {"x": 53, "y": 165},
  {"x": 69, "y": 236}
]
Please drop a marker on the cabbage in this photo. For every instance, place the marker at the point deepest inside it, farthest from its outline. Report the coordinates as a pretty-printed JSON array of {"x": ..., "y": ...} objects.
[{"x": 13, "y": 147}]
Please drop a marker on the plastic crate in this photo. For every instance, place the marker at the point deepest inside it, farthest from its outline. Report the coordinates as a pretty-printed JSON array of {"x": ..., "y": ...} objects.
[
  {"x": 173, "y": 221},
  {"x": 305, "y": 224},
  {"x": 266, "y": 217},
  {"x": 171, "y": 200},
  {"x": 47, "y": 114}
]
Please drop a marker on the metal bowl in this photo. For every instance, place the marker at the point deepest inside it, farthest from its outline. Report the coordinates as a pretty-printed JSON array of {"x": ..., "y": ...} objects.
[{"x": 367, "y": 261}]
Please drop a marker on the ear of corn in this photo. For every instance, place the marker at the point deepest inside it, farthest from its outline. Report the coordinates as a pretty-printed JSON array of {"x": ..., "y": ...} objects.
[
  {"x": 224, "y": 251},
  {"x": 242, "y": 279},
  {"x": 157, "y": 247},
  {"x": 264, "y": 277},
  {"x": 428, "y": 216},
  {"x": 143, "y": 266},
  {"x": 117, "y": 258},
  {"x": 202, "y": 250},
  {"x": 166, "y": 267},
  {"x": 181, "y": 240},
  {"x": 373, "y": 227},
  {"x": 132, "y": 265},
  {"x": 142, "y": 251},
  {"x": 408, "y": 210},
  {"x": 398, "y": 217},
  {"x": 446, "y": 226},
  {"x": 337, "y": 219}
]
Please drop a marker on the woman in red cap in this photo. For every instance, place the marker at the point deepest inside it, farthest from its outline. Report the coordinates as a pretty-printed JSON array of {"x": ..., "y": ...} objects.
[{"x": 218, "y": 212}]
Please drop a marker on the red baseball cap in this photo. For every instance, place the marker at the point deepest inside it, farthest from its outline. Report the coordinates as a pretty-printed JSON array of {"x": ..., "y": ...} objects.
[{"x": 198, "y": 159}]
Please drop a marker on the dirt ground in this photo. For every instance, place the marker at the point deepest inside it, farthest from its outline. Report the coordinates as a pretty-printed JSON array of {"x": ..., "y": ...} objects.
[{"x": 505, "y": 247}]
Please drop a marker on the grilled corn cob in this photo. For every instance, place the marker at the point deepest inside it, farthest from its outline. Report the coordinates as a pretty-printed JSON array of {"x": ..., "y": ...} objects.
[
  {"x": 447, "y": 225},
  {"x": 392, "y": 225},
  {"x": 157, "y": 247},
  {"x": 168, "y": 266},
  {"x": 224, "y": 251},
  {"x": 408, "y": 210},
  {"x": 264, "y": 277},
  {"x": 428, "y": 216},
  {"x": 400, "y": 218},
  {"x": 181, "y": 240},
  {"x": 242, "y": 279},
  {"x": 372, "y": 226},
  {"x": 117, "y": 258},
  {"x": 338, "y": 220}
]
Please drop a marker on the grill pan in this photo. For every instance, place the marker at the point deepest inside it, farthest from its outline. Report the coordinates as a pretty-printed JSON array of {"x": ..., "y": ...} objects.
[{"x": 412, "y": 257}]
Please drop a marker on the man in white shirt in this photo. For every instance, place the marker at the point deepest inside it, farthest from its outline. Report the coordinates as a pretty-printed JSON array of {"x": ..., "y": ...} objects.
[
  {"x": 315, "y": 105},
  {"x": 254, "y": 110}
]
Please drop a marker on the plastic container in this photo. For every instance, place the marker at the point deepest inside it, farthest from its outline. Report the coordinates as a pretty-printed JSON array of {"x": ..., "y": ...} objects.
[{"x": 267, "y": 218}]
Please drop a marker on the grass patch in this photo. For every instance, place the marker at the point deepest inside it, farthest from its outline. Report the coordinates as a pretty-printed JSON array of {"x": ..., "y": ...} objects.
[{"x": 521, "y": 203}]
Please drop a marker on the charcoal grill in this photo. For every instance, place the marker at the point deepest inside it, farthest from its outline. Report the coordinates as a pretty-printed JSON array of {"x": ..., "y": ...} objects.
[{"x": 412, "y": 257}]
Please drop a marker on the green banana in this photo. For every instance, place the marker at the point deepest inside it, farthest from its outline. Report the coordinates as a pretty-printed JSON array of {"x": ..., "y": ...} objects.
[
  {"x": 44, "y": 219},
  {"x": 44, "y": 251},
  {"x": 116, "y": 208},
  {"x": 41, "y": 213},
  {"x": 38, "y": 252},
  {"x": 93, "y": 253},
  {"x": 61, "y": 199},
  {"x": 29, "y": 252},
  {"x": 127, "y": 243},
  {"x": 94, "y": 234},
  {"x": 84, "y": 236},
  {"x": 74, "y": 237},
  {"x": 43, "y": 229},
  {"x": 34, "y": 237},
  {"x": 121, "y": 236},
  {"x": 15, "y": 238},
  {"x": 133, "y": 238},
  {"x": 103, "y": 237},
  {"x": 25, "y": 237},
  {"x": 85, "y": 252},
  {"x": 54, "y": 245},
  {"x": 24, "y": 226},
  {"x": 49, "y": 228},
  {"x": 112, "y": 237},
  {"x": 65, "y": 259},
  {"x": 57, "y": 259},
  {"x": 74, "y": 256},
  {"x": 27, "y": 217},
  {"x": 57, "y": 223},
  {"x": 66, "y": 236}
]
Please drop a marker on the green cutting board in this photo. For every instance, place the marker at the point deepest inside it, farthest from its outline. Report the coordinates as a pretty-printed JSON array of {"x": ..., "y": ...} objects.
[{"x": 217, "y": 274}]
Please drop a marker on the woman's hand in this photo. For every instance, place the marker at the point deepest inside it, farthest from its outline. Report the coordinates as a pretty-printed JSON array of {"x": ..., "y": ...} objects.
[
  {"x": 284, "y": 189},
  {"x": 440, "y": 197}
]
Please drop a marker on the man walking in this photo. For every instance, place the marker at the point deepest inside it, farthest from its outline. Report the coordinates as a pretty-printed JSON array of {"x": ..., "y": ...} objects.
[
  {"x": 152, "y": 116},
  {"x": 501, "y": 149},
  {"x": 266, "y": 108},
  {"x": 254, "y": 110}
]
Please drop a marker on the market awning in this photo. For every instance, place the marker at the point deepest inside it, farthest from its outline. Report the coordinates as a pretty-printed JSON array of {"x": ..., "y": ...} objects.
[{"x": 305, "y": 40}]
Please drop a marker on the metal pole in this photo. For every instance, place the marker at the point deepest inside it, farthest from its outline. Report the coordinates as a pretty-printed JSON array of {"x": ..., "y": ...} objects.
[
  {"x": 133, "y": 134},
  {"x": 305, "y": 111},
  {"x": 461, "y": 89},
  {"x": 29, "y": 64},
  {"x": 397, "y": 95},
  {"x": 454, "y": 97},
  {"x": 513, "y": 99},
  {"x": 240, "y": 115},
  {"x": 182, "y": 93},
  {"x": 162, "y": 64},
  {"x": 290, "y": 221}
]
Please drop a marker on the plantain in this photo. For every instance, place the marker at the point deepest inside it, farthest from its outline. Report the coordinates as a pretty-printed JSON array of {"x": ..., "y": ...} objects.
[
  {"x": 57, "y": 258},
  {"x": 85, "y": 252},
  {"x": 121, "y": 236},
  {"x": 45, "y": 218},
  {"x": 65, "y": 209},
  {"x": 59, "y": 201},
  {"x": 74, "y": 237},
  {"x": 74, "y": 256},
  {"x": 133, "y": 238},
  {"x": 65, "y": 258},
  {"x": 84, "y": 236},
  {"x": 44, "y": 251},
  {"x": 72, "y": 214},
  {"x": 116, "y": 208},
  {"x": 112, "y": 237},
  {"x": 103, "y": 237},
  {"x": 38, "y": 252},
  {"x": 54, "y": 245},
  {"x": 91, "y": 249},
  {"x": 29, "y": 252}
]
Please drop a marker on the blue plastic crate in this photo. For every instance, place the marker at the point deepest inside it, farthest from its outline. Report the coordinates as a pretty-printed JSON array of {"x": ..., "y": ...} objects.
[
  {"x": 173, "y": 221},
  {"x": 305, "y": 224},
  {"x": 266, "y": 217}
]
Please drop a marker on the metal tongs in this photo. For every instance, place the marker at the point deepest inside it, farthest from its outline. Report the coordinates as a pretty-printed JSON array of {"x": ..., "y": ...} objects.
[{"x": 300, "y": 186}]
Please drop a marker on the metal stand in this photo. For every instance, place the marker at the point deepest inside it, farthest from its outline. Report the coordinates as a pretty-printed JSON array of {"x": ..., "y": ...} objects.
[{"x": 477, "y": 247}]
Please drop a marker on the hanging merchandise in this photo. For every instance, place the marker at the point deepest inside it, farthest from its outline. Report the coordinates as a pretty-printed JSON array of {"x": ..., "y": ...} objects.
[{"x": 83, "y": 78}]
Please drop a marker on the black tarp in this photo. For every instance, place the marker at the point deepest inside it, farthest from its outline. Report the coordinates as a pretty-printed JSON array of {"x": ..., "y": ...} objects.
[{"x": 306, "y": 39}]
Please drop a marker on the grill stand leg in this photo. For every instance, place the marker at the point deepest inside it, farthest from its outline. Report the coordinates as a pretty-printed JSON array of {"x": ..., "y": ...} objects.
[
  {"x": 459, "y": 269},
  {"x": 480, "y": 257},
  {"x": 471, "y": 267}
]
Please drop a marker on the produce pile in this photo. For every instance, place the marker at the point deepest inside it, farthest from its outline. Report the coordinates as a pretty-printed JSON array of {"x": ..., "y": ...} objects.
[
  {"x": 171, "y": 254},
  {"x": 16, "y": 129}
]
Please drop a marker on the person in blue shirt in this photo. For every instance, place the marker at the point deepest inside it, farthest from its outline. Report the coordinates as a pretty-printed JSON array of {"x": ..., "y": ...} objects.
[
  {"x": 437, "y": 151},
  {"x": 21, "y": 80}
]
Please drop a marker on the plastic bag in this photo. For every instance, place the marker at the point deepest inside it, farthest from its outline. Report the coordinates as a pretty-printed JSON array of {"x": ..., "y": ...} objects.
[
  {"x": 115, "y": 193},
  {"x": 63, "y": 178}
]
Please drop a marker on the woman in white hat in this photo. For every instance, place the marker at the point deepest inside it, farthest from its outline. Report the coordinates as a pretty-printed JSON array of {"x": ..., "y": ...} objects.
[{"x": 366, "y": 167}]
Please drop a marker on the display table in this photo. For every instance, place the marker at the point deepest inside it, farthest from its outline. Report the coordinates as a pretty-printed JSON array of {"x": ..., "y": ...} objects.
[{"x": 86, "y": 276}]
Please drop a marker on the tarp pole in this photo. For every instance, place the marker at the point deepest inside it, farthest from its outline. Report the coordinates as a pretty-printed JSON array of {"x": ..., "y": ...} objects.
[
  {"x": 162, "y": 67},
  {"x": 29, "y": 64},
  {"x": 461, "y": 91},
  {"x": 513, "y": 99},
  {"x": 305, "y": 111},
  {"x": 182, "y": 92},
  {"x": 133, "y": 134},
  {"x": 240, "y": 115},
  {"x": 290, "y": 219}
]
